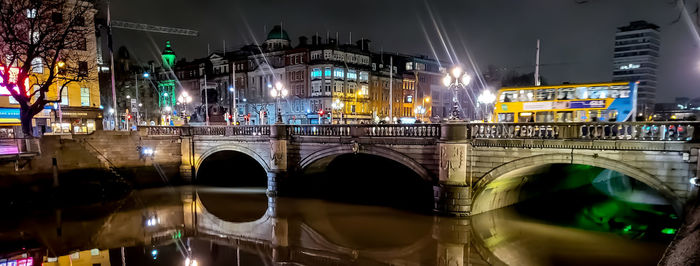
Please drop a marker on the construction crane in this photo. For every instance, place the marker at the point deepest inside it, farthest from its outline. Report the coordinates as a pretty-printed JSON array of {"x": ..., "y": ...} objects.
[
  {"x": 118, "y": 24},
  {"x": 138, "y": 27}
]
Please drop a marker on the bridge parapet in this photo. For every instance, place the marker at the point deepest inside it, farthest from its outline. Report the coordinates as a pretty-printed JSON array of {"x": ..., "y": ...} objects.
[
  {"x": 360, "y": 130},
  {"x": 262, "y": 130},
  {"x": 651, "y": 131}
]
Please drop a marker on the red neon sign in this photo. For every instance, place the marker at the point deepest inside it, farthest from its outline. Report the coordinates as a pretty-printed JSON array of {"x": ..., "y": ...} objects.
[{"x": 14, "y": 72}]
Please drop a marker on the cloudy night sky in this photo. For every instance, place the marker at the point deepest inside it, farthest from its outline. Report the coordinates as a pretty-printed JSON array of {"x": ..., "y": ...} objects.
[{"x": 577, "y": 36}]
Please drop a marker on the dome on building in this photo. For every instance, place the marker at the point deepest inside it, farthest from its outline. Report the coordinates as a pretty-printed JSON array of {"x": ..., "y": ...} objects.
[
  {"x": 277, "y": 33},
  {"x": 168, "y": 55}
]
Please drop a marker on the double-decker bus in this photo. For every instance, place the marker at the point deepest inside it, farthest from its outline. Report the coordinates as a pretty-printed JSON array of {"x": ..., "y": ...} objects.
[{"x": 606, "y": 102}]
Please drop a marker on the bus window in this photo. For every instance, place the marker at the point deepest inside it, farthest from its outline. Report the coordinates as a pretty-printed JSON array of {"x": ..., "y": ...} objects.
[
  {"x": 525, "y": 117},
  {"x": 505, "y": 117},
  {"x": 526, "y": 96},
  {"x": 594, "y": 116},
  {"x": 546, "y": 116},
  {"x": 580, "y": 116},
  {"x": 610, "y": 115},
  {"x": 565, "y": 116},
  {"x": 566, "y": 94},
  {"x": 581, "y": 92},
  {"x": 598, "y": 92},
  {"x": 545, "y": 94},
  {"x": 509, "y": 96}
]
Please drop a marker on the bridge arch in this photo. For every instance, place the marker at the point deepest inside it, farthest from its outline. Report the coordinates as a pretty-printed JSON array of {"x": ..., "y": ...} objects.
[
  {"x": 231, "y": 160},
  {"x": 581, "y": 159},
  {"x": 231, "y": 147},
  {"x": 371, "y": 150}
]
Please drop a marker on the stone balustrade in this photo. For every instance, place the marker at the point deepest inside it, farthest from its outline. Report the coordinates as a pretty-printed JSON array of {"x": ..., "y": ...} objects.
[{"x": 654, "y": 131}]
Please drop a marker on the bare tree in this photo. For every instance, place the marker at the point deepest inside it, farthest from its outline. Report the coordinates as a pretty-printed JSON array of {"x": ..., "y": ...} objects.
[{"x": 43, "y": 47}]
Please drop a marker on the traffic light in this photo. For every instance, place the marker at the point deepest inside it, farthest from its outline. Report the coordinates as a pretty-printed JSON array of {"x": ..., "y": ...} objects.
[
  {"x": 154, "y": 253},
  {"x": 128, "y": 117}
]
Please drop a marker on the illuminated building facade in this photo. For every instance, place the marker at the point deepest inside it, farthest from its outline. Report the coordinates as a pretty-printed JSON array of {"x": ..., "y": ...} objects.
[
  {"x": 636, "y": 59},
  {"x": 80, "y": 106}
]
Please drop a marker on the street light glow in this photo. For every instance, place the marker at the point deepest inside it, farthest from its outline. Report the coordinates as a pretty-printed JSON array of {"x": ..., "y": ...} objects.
[
  {"x": 486, "y": 97},
  {"x": 111, "y": 110},
  {"x": 278, "y": 85},
  {"x": 128, "y": 96},
  {"x": 165, "y": 94},
  {"x": 466, "y": 79},
  {"x": 456, "y": 72},
  {"x": 146, "y": 75},
  {"x": 230, "y": 89},
  {"x": 447, "y": 80}
]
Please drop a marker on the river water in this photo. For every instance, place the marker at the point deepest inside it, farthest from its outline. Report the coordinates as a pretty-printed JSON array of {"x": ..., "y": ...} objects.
[{"x": 238, "y": 226}]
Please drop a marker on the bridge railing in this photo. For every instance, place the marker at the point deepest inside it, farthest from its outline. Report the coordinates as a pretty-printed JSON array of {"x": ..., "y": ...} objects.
[
  {"x": 360, "y": 130},
  {"x": 659, "y": 131},
  {"x": 262, "y": 130}
]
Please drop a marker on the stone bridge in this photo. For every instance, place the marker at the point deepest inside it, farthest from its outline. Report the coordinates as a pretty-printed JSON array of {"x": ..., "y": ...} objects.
[{"x": 460, "y": 159}]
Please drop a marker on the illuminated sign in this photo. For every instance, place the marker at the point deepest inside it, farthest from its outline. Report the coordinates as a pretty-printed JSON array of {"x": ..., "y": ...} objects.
[
  {"x": 13, "y": 79},
  {"x": 629, "y": 66},
  {"x": 9, "y": 113},
  {"x": 587, "y": 104}
]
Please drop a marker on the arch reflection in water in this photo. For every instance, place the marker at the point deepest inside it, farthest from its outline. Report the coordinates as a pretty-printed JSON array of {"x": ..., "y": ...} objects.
[{"x": 304, "y": 231}]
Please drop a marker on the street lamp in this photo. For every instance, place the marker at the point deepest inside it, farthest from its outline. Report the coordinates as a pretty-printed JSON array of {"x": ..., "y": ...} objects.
[
  {"x": 454, "y": 80},
  {"x": 420, "y": 110},
  {"x": 233, "y": 110},
  {"x": 278, "y": 92},
  {"x": 338, "y": 106},
  {"x": 486, "y": 98},
  {"x": 184, "y": 99}
]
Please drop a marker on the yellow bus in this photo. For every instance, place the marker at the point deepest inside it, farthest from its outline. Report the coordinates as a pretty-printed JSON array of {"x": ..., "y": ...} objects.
[{"x": 605, "y": 102}]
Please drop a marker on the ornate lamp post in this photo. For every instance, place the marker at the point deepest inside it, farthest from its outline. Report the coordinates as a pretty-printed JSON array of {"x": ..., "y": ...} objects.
[
  {"x": 421, "y": 111},
  {"x": 184, "y": 99},
  {"x": 486, "y": 98},
  {"x": 455, "y": 79},
  {"x": 338, "y": 106},
  {"x": 278, "y": 92}
]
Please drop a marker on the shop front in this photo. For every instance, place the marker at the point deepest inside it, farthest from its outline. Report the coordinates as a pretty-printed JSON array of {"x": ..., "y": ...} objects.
[
  {"x": 76, "y": 120},
  {"x": 9, "y": 122}
]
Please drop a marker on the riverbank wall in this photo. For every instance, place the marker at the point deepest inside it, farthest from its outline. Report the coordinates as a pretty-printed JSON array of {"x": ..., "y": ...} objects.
[{"x": 119, "y": 155}]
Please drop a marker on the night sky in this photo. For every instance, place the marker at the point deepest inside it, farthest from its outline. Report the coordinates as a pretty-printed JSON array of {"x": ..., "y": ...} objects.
[{"x": 577, "y": 38}]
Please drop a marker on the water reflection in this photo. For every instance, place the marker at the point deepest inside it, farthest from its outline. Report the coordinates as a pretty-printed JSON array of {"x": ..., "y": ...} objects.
[{"x": 244, "y": 227}]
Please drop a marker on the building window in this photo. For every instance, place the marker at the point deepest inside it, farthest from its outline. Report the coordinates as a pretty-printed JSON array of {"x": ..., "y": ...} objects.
[
  {"x": 352, "y": 75},
  {"x": 327, "y": 72},
  {"x": 339, "y": 73},
  {"x": 82, "y": 44},
  {"x": 64, "y": 95},
  {"x": 57, "y": 18},
  {"x": 409, "y": 65},
  {"x": 37, "y": 65},
  {"x": 80, "y": 21},
  {"x": 82, "y": 68},
  {"x": 84, "y": 97},
  {"x": 364, "y": 76},
  {"x": 31, "y": 13},
  {"x": 316, "y": 73}
]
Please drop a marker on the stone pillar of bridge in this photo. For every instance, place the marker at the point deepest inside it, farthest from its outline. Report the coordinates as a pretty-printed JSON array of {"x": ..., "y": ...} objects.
[
  {"x": 453, "y": 191},
  {"x": 187, "y": 162},
  {"x": 277, "y": 163}
]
